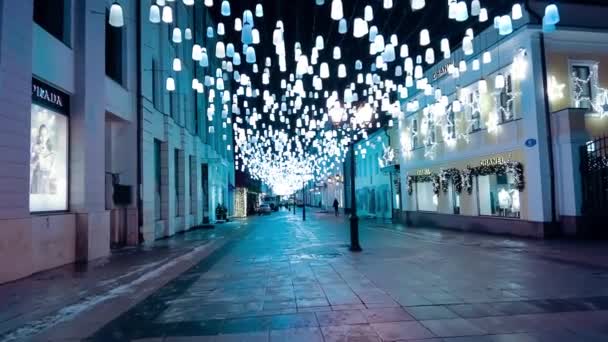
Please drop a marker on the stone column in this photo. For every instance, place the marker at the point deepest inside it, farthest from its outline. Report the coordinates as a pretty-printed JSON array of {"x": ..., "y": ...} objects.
[
  {"x": 87, "y": 132},
  {"x": 15, "y": 107}
]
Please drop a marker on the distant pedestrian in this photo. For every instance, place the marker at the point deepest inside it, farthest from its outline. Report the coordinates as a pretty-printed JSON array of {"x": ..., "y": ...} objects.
[{"x": 336, "y": 205}]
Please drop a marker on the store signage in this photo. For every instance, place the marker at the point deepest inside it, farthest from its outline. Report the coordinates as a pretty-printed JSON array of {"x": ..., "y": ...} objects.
[
  {"x": 497, "y": 160},
  {"x": 531, "y": 142},
  {"x": 423, "y": 172},
  {"x": 52, "y": 98},
  {"x": 442, "y": 71}
]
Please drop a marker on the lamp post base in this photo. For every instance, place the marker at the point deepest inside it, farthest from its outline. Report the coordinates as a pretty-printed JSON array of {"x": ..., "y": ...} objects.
[{"x": 354, "y": 234}]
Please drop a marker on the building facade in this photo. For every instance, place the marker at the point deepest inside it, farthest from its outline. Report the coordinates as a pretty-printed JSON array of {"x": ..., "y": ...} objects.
[
  {"x": 494, "y": 142},
  {"x": 79, "y": 170}
]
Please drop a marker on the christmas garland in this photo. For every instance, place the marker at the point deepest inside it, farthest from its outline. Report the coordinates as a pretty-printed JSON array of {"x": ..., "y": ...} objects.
[
  {"x": 463, "y": 180},
  {"x": 451, "y": 175},
  {"x": 516, "y": 169},
  {"x": 430, "y": 178}
]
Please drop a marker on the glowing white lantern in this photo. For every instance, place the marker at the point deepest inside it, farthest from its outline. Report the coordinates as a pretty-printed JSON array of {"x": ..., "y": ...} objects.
[
  {"x": 167, "y": 15},
  {"x": 368, "y": 13},
  {"x": 116, "y": 18},
  {"x": 337, "y": 53},
  {"x": 238, "y": 25},
  {"x": 154, "y": 14},
  {"x": 417, "y": 4},
  {"x": 483, "y": 86},
  {"x": 387, "y": 4},
  {"x": 483, "y": 15},
  {"x": 486, "y": 57},
  {"x": 197, "y": 53},
  {"x": 475, "y": 8},
  {"x": 259, "y": 10},
  {"x": 177, "y": 64},
  {"x": 177, "y": 36},
  {"x": 516, "y": 12},
  {"x": 425, "y": 38},
  {"x": 360, "y": 28},
  {"x": 225, "y": 8},
  {"x": 336, "y": 10},
  {"x": 505, "y": 25},
  {"x": 499, "y": 81},
  {"x": 341, "y": 71},
  {"x": 170, "y": 84},
  {"x": 342, "y": 26},
  {"x": 429, "y": 56},
  {"x": 462, "y": 12}
]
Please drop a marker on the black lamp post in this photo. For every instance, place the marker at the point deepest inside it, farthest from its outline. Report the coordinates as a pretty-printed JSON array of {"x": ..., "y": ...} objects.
[
  {"x": 354, "y": 219},
  {"x": 304, "y": 201}
]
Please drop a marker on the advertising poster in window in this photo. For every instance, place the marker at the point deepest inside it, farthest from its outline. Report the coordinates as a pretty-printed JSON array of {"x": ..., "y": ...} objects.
[{"x": 48, "y": 150}]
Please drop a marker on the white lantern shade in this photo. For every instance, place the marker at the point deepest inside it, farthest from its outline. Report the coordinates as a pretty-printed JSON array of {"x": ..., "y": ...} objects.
[
  {"x": 154, "y": 14},
  {"x": 167, "y": 15},
  {"x": 425, "y": 38},
  {"x": 116, "y": 18}
]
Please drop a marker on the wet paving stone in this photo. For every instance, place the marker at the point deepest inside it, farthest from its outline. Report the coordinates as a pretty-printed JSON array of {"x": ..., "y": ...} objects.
[{"x": 283, "y": 280}]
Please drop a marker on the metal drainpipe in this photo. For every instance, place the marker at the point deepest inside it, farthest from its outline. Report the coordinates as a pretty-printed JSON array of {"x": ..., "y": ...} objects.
[
  {"x": 139, "y": 104},
  {"x": 551, "y": 153}
]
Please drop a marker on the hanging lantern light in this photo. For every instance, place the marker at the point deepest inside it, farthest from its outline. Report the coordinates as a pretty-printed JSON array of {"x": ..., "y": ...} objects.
[
  {"x": 177, "y": 35},
  {"x": 177, "y": 64},
  {"x": 368, "y": 13},
  {"x": 462, "y": 12},
  {"x": 116, "y": 18},
  {"x": 250, "y": 55},
  {"x": 487, "y": 57},
  {"x": 505, "y": 25},
  {"x": 220, "y": 50},
  {"x": 319, "y": 44},
  {"x": 341, "y": 71},
  {"x": 154, "y": 14},
  {"x": 170, "y": 84},
  {"x": 360, "y": 28},
  {"x": 417, "y": 4},
  {"x": 483, "y": 15},
  {"x": 404, "y": 51},
  {"x": 551, "y": 15},
  {"x": 429, "y": 56},
  {"x": 425, "y": 37},
  {"x": 387, "y": 4},
  {"x": 259, "y": 10},
  {"x": 197, "y": 53},
  {"x": 483, "y": 86},
  {"x": 475, "y": 65},
  {"x": 188, "y": 34},
  {"x": 225, "y": 9},
  {"x": 342, "y": 26},
  {"x": 337, "y": 53},
  {"x": 324, "y": 70},
  {"x": 516, "y": 12},
  {"x": 337, "y": 10},
  {"x": 475, "y": 8},
  {"x": 167, "y": 15},
  {"x": 499, "y": 81},
  {"x": 238, "y": 25}
]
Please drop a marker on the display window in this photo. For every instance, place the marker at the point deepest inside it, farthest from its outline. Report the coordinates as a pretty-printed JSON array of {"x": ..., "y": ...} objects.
[
  {"x": 498, "y": 195},
  {"x": 427, "y": 199},
  {"x": 48, "y": 149}
]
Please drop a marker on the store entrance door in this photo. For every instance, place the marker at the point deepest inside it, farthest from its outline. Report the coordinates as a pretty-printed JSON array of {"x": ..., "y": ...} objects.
[{"x": 594, "y": 169}]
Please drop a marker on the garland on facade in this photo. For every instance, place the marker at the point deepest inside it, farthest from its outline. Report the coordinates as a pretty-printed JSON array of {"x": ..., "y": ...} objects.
[
  {"x": 463, "y": 180},
  {"x": 430, "y": 178},
  {"x": 451, "y": 175},
  {"x": 516, "y": 169}
]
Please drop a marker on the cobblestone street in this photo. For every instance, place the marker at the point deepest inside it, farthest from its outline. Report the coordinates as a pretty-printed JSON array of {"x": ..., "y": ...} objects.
[{"x": 277, "y": 278}]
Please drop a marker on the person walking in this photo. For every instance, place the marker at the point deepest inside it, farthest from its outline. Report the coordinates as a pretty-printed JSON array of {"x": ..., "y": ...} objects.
[{"x": 335, "y": 205}]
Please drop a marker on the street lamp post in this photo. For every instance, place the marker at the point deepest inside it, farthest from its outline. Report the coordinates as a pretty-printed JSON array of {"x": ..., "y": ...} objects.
[
  {"x": 304, "y": 201},
  {"x": 354, "y": 220}
]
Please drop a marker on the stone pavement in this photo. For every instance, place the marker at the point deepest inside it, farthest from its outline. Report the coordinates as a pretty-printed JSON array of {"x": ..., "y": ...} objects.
[{"x": 281, "y": 279}]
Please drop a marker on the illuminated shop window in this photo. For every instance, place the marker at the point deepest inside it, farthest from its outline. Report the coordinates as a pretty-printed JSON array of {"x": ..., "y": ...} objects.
[
  {"x": 498, "y": 196},
  {"x": 426, "y": 198}
]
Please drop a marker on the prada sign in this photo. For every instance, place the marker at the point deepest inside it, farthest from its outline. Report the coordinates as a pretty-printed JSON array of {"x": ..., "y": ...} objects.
[{"x": 49, "y": 97}]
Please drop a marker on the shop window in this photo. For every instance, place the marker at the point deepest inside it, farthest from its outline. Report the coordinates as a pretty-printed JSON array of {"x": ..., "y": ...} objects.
[
  {"x": 498, "y": 196},
  {"x": 474, "y": 110},
  {"x": 454, "y": 198},
  {"x": 582, "y": 83},
  {"x": 414, "y": 134},
  {"x": 114, "y": 52},
  {"x": 54, "y": 16},
  {"x": 426, "y": 197},
  {"x": 450, "y": 125},
  {"x": 48, "y": 149},
  {"x": 506, "y": 100},
  {"x": 157, "y": 180}
]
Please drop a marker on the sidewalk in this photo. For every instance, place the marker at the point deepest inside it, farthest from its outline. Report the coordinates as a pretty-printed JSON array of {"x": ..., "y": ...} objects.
[{"x": 49, "y": 299}]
